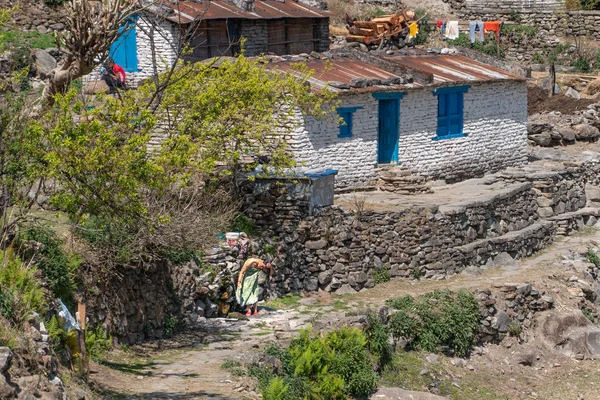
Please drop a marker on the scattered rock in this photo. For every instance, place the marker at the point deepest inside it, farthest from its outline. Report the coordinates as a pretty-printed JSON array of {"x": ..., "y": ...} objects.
[
  {"x": 44, "y": 63},
  {"x": 572, "y": 93},
  {"x": 5, "y": 358},
  {"x": 401, "y": 394}
]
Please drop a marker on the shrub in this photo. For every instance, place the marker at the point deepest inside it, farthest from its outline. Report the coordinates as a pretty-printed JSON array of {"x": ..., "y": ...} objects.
[
  {"x": 21, "y": 290},
  {"x": 377, "y": 339},
  {"x": 593, "y": 258},
  {"x": 515, "y": 329},
  {"x": 241, "y": 223},
  {"x": 489, "y": 47},
  {"x": 276, "y": 390},
  {"x": 439, "y": 318},
  {"x": 581, "y": 64},
  {"x": 171, "y": 325},
  {"x": 97, "y": 341},
  {"x": 58, "y": 266},
  {"x": 588, "y": 314},
  {"x": 381, "y": 275}
]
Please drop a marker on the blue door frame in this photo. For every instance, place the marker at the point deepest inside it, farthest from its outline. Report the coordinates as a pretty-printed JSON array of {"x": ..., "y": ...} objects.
[{"x": 389, "y": 127}]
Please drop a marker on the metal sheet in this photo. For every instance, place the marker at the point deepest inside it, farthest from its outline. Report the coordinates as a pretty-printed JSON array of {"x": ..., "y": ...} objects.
[
  {"x": 340, "y": 70},
  {"x": 189, "y": 11},
  {"x": 453, "y": 68}
]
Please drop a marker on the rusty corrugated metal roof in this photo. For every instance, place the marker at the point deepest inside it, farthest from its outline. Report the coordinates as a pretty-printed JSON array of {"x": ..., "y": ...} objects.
[
  {"x": 452, "y": 68},
  {"x": 189, "y": 11},
  {"x": 341, "y": 70}
]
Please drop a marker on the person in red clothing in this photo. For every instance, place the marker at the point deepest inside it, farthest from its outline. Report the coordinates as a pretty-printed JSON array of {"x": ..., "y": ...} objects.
[{"x": 114, "y": 75}]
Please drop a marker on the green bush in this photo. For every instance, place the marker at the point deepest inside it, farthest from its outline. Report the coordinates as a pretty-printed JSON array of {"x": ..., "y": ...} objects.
[
  {"x": 377, "y": 339},
  {"x": 58, "y": 266},
  {"x": 241, "y": 223},
  {"x": 171, "y": 325},
  {"x": 581, "y": 64},
  {"x": 336, "y": 365},
  {"x": 97, "y": 341},
  {"x": 31, "y": 40},
  {"x": 515, "y": 329},
  {"x": 22, "y": 293},
  {"x": 593, "y": 258},
  {"x": 381, "y": 275},
  {"x": 489, "y": 47},
  {"x": 436, "y": 319}
]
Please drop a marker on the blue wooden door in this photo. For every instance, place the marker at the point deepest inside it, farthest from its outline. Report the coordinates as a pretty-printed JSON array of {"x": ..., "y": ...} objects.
[
  {"x": 389, "y": 127},
  {"x": 124, "y": 50}
]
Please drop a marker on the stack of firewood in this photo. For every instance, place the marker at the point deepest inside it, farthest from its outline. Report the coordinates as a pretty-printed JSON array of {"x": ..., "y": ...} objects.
[{"x": 380, "y": 29}]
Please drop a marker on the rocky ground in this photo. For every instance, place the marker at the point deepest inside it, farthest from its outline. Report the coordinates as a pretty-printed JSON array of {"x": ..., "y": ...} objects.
[{"x": 530, "y": 365}]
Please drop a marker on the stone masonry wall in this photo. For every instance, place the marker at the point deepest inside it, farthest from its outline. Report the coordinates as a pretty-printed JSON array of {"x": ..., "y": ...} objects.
[
  {"x": 495, "y": 116},
  {"x": 338, "y": 249},
  {"x": 518, "y": 5},
  {"x": 255, "y": 32}
]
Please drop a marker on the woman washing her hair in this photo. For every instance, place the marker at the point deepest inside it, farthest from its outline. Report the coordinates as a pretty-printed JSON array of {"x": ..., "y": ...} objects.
[{"x": 247, "y": 283}]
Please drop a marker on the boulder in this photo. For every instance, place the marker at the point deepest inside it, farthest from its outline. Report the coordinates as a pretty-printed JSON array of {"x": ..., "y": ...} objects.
[
  {"x": 311, "y": 284},
  {"x": 543, "y": 139},
  {"x": 325, "y": 277},
  {"x": 96, "y": 87},
  {"x": 572, "y": 93},
  {"x": 592, "y": 194},
  {"x": 6, "y": 390},
  {"x": 501, "y": 322},
  {"x": 566, "y": 134},
  {"x": 586, "y": 132},
  {"x": 572, "y": 334},
  {"x": 552, "y": 155},
  {"x": 44, "y": 63},
  {"x": 345, "y": 289},
  {"x": 589, "y": 156},
  {"x": 5, "y": 358}
]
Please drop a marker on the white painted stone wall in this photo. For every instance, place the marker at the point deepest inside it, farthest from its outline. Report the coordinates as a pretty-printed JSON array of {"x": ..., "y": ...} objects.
[
  {"x": 166, "y": 40},
  {"x": 495, "y": 118},
  {"x": 530, "y": 5}
]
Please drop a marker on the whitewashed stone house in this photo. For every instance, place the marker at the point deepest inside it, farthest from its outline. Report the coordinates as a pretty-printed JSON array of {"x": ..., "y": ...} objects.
[
  {"x": 438, "y": 116},
  {"x": 216, "y": 28}
]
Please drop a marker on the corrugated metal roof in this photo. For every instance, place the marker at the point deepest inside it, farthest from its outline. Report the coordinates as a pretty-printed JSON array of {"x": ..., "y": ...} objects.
[
  {"x": 189, "y": 11},
  {"x": 341, "y": 70},
  {"x": 451, "y": 68}
]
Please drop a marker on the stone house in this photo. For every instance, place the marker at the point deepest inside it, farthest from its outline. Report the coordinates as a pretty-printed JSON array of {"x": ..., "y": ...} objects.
[
  {"x": 432, "y": 115},
  {"x": 216, "y": 28}
]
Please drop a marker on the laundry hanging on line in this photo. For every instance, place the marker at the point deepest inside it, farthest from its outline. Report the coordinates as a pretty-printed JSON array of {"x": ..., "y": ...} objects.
[
  {"x": 452, "y": 30},
  {"x": 476, "y": 31},
  {"x": 492, "y": 26}
]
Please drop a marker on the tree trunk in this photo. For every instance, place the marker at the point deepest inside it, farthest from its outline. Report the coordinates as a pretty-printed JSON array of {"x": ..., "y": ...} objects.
[{"x": 62, "y": 76}]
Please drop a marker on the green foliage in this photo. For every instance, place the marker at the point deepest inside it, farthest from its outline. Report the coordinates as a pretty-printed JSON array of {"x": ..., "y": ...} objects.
[
  {"x": 588, "y": 314},
  {"x": 97, "y": 341},
  {"x": 424, "y": 30},
  {"x": 377, "y": 339},
  {"x": 241, "y": 223},
  {"x": 489, "y": 47},
  {"x": 514, "y": 16},
  {"x": 276, "y": 390},
  {"x": 58, "y": 266},
  {"x": 593, "y": 258},
  {"x": 582, "y": 64},
  {"x": 30, "y": 40},
  {"x": 21, "y": 290},
  {"x": 171, "y": 325},
  {"x": 515, "y": 329},
  {"x": 381, "y": 275},
  {"x": 590, "y": 4},
  {"x": 228, "y": 364},
  {"x": 526, "y": 30},
  {"x": 537, "y": 58},
  {"x": 439, "y": 318}
]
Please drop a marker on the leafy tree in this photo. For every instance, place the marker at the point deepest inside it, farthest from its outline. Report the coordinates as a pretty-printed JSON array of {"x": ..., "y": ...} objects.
[{"x": 136, "y": 200}]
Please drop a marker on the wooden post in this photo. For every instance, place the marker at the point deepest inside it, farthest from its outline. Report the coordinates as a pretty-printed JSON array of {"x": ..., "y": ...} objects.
[
  {"x": 80, "y": 316},
  {"x": 552, "y": 80}
]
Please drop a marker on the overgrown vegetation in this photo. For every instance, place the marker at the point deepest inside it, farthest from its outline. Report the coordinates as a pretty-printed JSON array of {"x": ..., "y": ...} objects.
[
  {"x": 488, "y": 47},
  {"x": 335, "y": 365},
  {"x": 381, "y": 275},
  {"x": 97, "y": 342},
  {"x": 593, "y": 258},
  {"x": 436, "y": 319},
  {"x": 58, "y": 266}
]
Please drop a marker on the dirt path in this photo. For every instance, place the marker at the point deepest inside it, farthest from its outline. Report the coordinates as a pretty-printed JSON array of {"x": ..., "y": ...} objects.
[{"x": 189, "y": 366}]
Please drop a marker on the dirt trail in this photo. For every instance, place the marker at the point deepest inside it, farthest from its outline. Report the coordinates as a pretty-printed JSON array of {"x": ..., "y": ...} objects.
[{"x": 189, "y": 366}]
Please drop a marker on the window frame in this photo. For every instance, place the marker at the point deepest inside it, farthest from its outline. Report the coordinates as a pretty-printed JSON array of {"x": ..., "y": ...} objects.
[
  {"x": 452, "y": 95},
  {"x": 347, "y": 115}
]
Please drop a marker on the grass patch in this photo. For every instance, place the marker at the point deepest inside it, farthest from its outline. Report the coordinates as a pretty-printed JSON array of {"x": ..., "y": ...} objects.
[
  {"x": 33, "y": 39},
  {"x": 284, "y": 302}
]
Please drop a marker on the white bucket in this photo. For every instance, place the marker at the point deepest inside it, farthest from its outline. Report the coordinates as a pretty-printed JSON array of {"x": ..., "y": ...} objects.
[{"x": 232, "y": 238}]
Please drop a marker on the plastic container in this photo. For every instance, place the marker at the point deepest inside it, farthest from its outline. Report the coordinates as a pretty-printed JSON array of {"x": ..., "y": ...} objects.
[{"x": 232, "y": 238}]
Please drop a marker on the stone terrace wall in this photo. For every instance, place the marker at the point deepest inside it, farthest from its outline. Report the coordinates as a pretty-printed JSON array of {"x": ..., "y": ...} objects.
[{"x": 338, "y": 249}]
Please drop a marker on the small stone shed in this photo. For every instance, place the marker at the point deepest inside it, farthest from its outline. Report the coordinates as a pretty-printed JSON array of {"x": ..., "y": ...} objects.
[
  {"x": 216, "y": 28},
  {"x": 442, "y": 116}
]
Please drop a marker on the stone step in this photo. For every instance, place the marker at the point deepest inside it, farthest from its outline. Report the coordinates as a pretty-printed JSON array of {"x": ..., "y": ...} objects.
[{"x": 519, "y": 244}]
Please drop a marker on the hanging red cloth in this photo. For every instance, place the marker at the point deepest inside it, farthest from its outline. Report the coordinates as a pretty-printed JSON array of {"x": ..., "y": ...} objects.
[
  {"x": 492, "y": 26},
  {"x": 439, "y": 23}
]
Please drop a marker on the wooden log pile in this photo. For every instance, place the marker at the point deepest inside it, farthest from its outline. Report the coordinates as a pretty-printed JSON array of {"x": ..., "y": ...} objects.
[{"x": 381, "y": 29}]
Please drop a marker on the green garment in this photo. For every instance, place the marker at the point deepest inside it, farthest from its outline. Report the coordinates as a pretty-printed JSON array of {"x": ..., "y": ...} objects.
[{"x": 247, "y": 293}]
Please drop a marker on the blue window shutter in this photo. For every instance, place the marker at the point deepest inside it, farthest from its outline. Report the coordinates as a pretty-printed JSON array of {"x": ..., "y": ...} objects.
[
  {"x": 345, "y": 114},
  {"x": 450, "y": 111},
  {"x": 442, "y": 128},
  {"x": 124, "y": 50}
]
